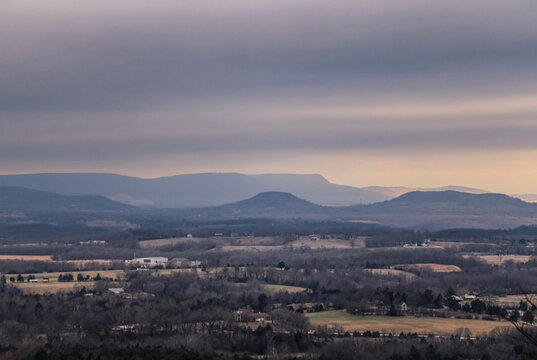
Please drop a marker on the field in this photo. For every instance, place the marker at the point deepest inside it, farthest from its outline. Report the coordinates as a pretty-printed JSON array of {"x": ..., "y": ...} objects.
[
  {"x": 53, "y": 287},
  {"x": 305, "y": 241},
  {"x": 277, "y": 288},
  {"x": 452, "y": 244},
  {"x": 513, "y": 300},
  {"x": 27, "y": 257},
  {"x": 48, "y": 258},
  {"x": 392, "y": 272},
  {"x": 406, "y": 324},
  {"x": 236, "y": 241},
  {"x": 440, "y": 268},
  {"x": 500, "y": 259},
  {"x": 250, "y": 243}
]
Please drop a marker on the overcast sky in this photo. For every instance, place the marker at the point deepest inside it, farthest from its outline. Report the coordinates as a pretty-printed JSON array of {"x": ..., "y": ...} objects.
[{"x": 371, "y": 92}]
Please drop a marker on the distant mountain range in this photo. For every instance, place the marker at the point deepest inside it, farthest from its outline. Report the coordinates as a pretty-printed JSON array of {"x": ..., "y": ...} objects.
[
  {"x": 431, "y": 210},
  {"x": 13, "y": 198},
  {"x": 451, "y": 209},
  {"x": 209, "y": 189}
]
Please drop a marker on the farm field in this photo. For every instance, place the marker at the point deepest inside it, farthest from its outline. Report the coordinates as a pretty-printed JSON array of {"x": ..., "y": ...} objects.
[
  {"x": 406, "y": 324},
  {"x": 48, "y": 258},
  {"x": 27, "y": 257},
  {"x": 306, "y": 241},
  {"x": 53, "y": 276},
  {"x": 500, "y": 259},
  {"x": 452, "y": 244},
  {"x": 53, "y": 287},
  {"x": 237, "y": 241},
  {"x": 440, "y": 268},
  {"x": 513, "y": 300},
  {"x": 250, "y": 243},
  {"x": 251, "y": 247},
  {"x": 156, "y": 243},
  {"x": 277, "y": 288}
]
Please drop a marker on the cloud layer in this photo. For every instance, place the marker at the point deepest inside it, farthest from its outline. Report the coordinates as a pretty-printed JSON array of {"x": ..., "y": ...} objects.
[{"x": 182, "y": 86}]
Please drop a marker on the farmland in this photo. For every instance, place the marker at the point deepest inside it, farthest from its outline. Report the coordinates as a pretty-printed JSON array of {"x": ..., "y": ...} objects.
[
  {"x": 262, "y": 243},
  {"x": 406, "y": 324},
  {"x": 500, "y": 259},
  {"x": 53, "y": 287},
  {"x": 439, "y": 268}
]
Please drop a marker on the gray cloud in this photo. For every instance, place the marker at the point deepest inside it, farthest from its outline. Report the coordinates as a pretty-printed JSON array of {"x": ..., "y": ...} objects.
[{"x": 113, "y": 80}]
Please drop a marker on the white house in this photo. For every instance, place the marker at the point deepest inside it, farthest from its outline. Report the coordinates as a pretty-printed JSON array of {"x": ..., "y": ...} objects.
[{"x": 148, "y": 261}]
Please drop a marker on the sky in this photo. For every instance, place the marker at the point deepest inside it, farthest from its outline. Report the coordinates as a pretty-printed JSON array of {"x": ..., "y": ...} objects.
[{"x": 371, "y": 92}]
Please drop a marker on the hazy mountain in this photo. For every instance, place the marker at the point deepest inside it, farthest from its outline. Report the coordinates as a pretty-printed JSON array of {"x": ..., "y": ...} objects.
[
  {"x": 424, "y": 210},
  {"x": 395, "y": 191},
  {"x": 14, "y": 198},
  {"x": 451, "y": 209},
  {"x": 527, "y": 197},
  {"x": 265, "y": 205},
  {"x": 195, "y": 190}
]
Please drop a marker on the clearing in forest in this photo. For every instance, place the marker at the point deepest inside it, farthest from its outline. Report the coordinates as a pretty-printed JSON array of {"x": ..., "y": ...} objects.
[
  {"x": 406, "y": 324},
  {"x": 440, "y": 268}
]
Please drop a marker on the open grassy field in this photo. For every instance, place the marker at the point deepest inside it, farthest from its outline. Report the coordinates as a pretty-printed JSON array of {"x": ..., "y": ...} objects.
[
  {"x": 441, "y": 268},
  {"x": 263, "y": 243},
  {"x": 306, "y": 241},
  {"x": 406, "y": 324},
  {"x": 392, "y": 272},
  {"x": 225, "y": 241},
  {"x": 53, "y": 287},
  {"x": 277, "y": 288},
  {"x": 53, "y": 276},
  {"x": 27, "y": 257},
  {"x": 156, "y": 243},
  {"x": 452, "y": 244},
  {"x": 513, "y": 300},
  {"x": 48, "y": 258},
  {"x": 500, "y": 259}
]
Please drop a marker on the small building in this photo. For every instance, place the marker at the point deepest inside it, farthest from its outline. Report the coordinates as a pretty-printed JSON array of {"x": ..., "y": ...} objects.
[
  {"x": 471, "y": 295},
  {"x": 148, "y": 261},
  {"x": 188, "y": 235},
  {"x": 247, "y": 315},
  {"x": 116, "y": 291}
]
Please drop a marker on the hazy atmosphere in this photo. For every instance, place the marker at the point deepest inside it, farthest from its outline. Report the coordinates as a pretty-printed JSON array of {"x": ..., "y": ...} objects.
[
  {"x": 268, "y": 179},
  {"x": 408, "y": 93}
]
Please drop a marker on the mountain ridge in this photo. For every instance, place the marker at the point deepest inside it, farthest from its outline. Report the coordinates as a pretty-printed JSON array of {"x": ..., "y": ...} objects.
[
  {"x": 204, "y": 189},
  {"x": 16, "y": 198}
]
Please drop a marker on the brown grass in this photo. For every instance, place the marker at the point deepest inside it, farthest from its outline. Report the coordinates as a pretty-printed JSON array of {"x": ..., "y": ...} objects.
[
  {"x": 263, "y": 243},
  {"x": 277, "y": 288},
  {"x": 27, "y": 257},
  {"x": 406, "y": 324},
  {"x": 500, "y": 259},
  {"x": 53, "y": 287},
  {"x": 441, "y": 268},
  {"x": 512, "y": 300},
  {"x": 452, "y": 244},
  {"x": 48, "y": 258}
]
